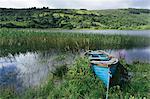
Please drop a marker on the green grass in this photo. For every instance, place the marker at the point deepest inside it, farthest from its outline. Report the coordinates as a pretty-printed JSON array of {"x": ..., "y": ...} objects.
[
  {"x": 13, "y": 41},
  {"x": 122, "y": 19},
  {"x": 79, "y": 82}
]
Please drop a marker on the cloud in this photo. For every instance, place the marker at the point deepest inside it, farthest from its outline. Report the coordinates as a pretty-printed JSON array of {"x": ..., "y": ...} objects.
[
  {"x": 23, "y": 3},
  {"x": 88, "y": 4},
  {"x": 76, "y": 4},
  {"x": 139, "y": 3},
  {"x": 100, "y": 4}
]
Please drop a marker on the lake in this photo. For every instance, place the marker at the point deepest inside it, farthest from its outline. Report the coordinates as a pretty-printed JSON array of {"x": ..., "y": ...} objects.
[
  {"x": 25, "y": 65},
  {"x": 106, "y": 32}
]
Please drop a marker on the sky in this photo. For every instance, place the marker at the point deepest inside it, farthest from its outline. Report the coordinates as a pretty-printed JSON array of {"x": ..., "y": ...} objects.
[{"x": 76, "y": 4}]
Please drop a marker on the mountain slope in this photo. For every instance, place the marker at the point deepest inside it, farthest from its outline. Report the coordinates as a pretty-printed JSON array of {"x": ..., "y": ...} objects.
[{"x": 75, "y": 19}]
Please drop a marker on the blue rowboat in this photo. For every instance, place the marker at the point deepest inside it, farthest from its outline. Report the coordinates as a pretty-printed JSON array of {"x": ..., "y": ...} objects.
[{"x": 104, "y": 65}]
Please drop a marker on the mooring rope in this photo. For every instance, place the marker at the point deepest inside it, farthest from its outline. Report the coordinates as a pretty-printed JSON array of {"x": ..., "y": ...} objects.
[{"x": 107, "y": 93}]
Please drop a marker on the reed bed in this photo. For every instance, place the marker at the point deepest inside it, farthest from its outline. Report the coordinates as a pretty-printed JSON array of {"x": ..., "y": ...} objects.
[{"x": 13, "y": 40}]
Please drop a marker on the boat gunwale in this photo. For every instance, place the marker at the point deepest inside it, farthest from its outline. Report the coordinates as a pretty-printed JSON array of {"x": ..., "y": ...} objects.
[{"x": 102, "y": 63}]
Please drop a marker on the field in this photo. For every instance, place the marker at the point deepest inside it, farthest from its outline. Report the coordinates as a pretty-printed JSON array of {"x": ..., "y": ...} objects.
[{"x": 122, "y": 19}]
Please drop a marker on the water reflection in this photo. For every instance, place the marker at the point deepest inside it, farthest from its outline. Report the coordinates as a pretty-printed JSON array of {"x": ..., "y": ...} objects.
[
  {"x": 133, "y": 55},
  {"x": 9, "y": 75},
  {"x": 32, "y": 68}
]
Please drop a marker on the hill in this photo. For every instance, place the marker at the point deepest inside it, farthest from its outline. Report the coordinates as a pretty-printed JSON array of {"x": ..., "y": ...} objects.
[{"x": 75, "y": 18}]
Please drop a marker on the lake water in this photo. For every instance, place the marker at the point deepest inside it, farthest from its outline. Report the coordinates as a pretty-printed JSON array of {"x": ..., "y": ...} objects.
[
  {"x": 29, "y": 69},
  {"x": 106, "y": 32}
]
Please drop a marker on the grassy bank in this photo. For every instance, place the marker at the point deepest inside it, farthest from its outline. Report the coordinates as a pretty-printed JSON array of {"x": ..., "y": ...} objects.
[
  {"x": 80, "y": 83},
  {"x": 13, "y": 41}
]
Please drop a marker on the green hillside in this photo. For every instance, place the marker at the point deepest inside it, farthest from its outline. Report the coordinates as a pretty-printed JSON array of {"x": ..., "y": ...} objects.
[{"x": 75, "y": 19}]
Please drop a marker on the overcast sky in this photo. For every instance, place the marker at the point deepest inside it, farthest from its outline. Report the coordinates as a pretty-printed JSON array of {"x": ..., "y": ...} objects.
[{"x": 76, "y": 4}]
